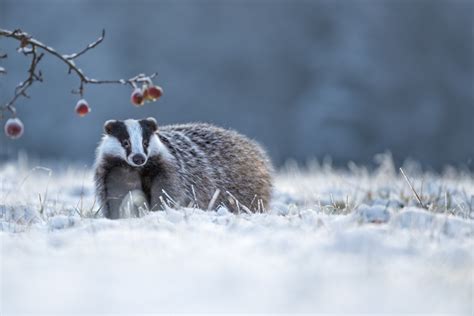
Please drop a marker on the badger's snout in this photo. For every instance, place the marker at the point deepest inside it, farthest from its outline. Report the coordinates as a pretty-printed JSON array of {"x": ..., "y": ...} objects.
[{"x": 138, "y": 159}]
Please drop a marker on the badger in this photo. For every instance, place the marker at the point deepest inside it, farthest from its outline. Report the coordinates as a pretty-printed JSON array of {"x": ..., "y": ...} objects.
[{"x": 183, "y": 165}]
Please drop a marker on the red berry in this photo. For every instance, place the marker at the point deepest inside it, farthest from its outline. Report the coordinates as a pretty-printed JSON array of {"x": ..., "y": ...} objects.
[
  {"x": 82, "y": 108},
  {"x": 146, "y": 95},
  {"x": 14, "y": 128},
  {"x": 137, "y": 97},
  {"x": 154, "y": 92}
]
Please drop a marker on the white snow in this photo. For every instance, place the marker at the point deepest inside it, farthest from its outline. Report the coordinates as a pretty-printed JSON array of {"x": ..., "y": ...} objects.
[{"x": 332, "y": 242}]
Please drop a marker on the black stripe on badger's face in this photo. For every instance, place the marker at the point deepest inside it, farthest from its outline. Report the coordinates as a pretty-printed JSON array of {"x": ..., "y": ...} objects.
[
  {"x": 118, "y": 129},
  {"x": 149, "y": 128}
]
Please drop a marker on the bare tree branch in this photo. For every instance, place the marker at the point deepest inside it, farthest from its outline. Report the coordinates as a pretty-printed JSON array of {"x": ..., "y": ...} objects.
[
  {"x": 30, "y": 46},
  {"x": 20, "y": 90},
  {"x": 90, "y": 46}
]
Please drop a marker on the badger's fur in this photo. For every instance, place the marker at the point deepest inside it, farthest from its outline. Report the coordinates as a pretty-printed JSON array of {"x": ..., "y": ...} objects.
[{"x": 180, "y": 165}]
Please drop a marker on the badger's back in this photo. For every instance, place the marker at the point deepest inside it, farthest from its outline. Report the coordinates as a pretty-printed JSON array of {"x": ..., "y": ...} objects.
[{"x": 209, "y": 158}]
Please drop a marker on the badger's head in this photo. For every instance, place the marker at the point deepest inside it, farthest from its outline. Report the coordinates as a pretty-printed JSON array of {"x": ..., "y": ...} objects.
[{"x": 131, "y": 140}]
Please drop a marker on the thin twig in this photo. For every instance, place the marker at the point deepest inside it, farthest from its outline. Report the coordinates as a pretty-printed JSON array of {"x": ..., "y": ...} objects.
[
  {"x": 41, "y": 204},
  {"x": 164, "y": 205},
  {"x": 413, "y": 189},
  {"x": 81, "y": 200},
  {"x": 169, "y": 197},
  {"x": 98, "y": 210},
  {"x": 213, "y": 200},
  {"x": 245, "y": 208},
  {"x": 251, "y": 202},
  {"x": 90, "y": 46},
  {"x": 194, "y": 196}
]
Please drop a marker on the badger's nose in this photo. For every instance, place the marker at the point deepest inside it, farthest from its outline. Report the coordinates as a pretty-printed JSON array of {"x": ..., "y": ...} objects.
[{"x": 138, "y": 159}]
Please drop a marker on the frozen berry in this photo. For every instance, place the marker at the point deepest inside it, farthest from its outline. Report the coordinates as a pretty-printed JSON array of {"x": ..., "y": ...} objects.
[
  {"x": 82, "y": 108},
  {"x": 137, "y": 97},
  {"x": 154, "y": 92},
  {"x": 14, "y": 128},
  {"x": 146, "y": 95}
]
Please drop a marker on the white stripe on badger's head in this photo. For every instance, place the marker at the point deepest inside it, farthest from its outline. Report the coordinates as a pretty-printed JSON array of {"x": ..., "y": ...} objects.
[
  {"x": 136, "y": 155},
  {"x": 132, "y": 140}
]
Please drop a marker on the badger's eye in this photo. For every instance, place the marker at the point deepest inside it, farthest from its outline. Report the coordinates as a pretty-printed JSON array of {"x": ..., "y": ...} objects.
[
  {"x": 145, "y": 143},
  {"x": 126, "y": 143}
]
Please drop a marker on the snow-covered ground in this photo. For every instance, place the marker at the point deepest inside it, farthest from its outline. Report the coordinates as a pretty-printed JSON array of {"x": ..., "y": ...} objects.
[{"x": 333, "y": 242}]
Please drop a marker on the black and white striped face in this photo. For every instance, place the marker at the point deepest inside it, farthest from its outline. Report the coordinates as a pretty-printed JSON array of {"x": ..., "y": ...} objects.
[{"x": 132, "y": 140}]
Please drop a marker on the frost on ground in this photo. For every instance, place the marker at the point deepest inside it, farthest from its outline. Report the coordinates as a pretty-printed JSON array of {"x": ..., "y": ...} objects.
[{"x": 333, "y": 241}]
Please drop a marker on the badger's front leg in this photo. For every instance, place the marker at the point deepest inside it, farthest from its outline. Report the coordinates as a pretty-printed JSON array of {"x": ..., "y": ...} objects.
[
  {"x": 161, "y": 184},
  {"x": 123, "y": 194}
]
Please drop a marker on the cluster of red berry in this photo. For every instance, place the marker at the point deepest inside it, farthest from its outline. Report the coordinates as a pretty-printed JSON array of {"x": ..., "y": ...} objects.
[
  {"x": 139, "y": 96},
  {"x": 147, "y": 93}
]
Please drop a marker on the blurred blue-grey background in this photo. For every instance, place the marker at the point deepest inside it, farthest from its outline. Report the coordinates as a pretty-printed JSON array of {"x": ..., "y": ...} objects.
[{"x": 308, "y": 79}]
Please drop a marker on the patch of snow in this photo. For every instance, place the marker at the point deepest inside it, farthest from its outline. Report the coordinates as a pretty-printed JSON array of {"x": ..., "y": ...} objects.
[
  {"x": 372, "y": 214},
  {"x": 354, "y": 251},
  {"x": 413, "y": 218},
  {"x": 62, "y": 221}
]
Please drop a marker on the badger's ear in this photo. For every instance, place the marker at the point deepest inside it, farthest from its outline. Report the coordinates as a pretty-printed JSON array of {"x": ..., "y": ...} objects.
[
  {"x": 150, "y": 123},
  {"x": 109, "y": 126}
]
